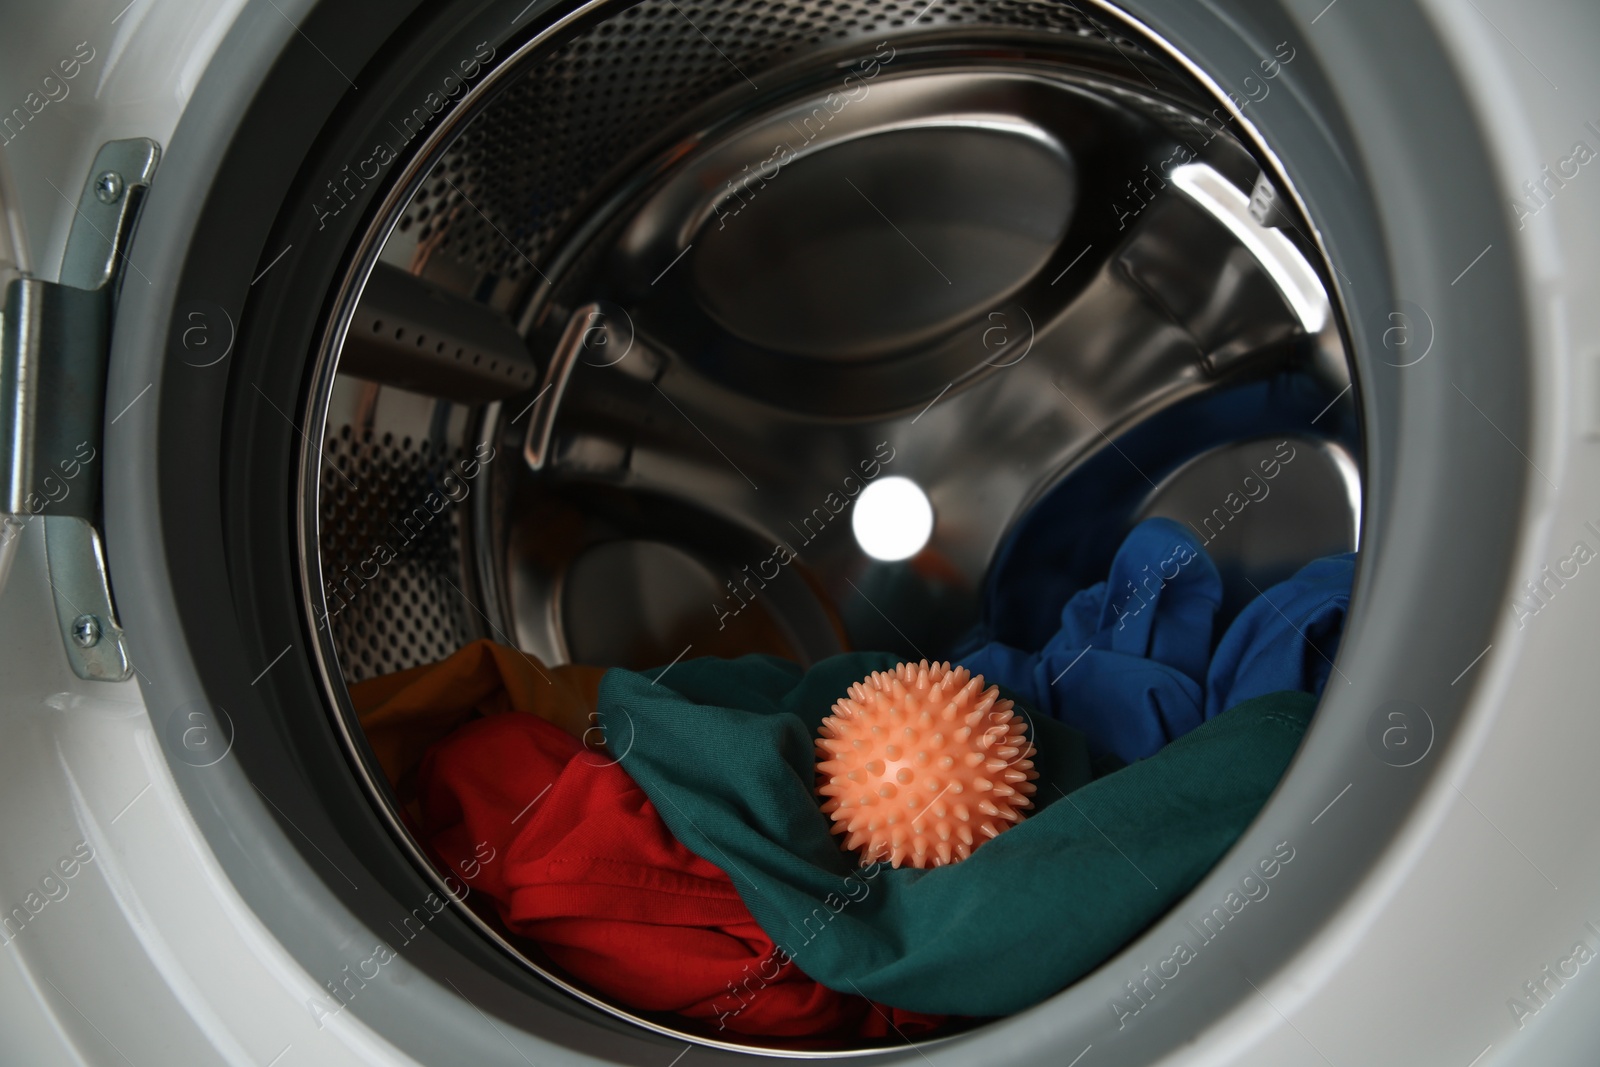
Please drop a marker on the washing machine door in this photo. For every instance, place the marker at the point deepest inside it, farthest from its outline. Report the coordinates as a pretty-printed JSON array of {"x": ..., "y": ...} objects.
[{"x": 201, "y": 864}]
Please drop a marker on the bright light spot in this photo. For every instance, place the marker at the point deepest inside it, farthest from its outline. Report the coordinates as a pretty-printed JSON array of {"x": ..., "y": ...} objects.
[{"x": 893, "y": 519}]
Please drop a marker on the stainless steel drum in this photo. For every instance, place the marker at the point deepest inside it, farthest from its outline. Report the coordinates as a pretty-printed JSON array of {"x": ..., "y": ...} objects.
[{"x": 676, "y": 288}]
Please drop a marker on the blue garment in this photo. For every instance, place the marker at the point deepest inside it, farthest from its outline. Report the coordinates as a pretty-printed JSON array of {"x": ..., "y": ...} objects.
[{"x": 1132, "y": 665}]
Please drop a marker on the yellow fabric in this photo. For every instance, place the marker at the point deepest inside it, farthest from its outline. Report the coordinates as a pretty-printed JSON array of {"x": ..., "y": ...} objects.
[{"x": 403, "y": 714}]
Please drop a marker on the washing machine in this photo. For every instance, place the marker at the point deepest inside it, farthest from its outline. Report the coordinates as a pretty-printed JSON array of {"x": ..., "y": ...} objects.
[{"x": 338, "y": 335}]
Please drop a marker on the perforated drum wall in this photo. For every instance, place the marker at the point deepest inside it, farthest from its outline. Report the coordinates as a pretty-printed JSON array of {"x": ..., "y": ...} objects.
[
  {"x": 499, "y": 201},
  {"x": 384, "y": 457},
  {"x": 521, "y": 171}
]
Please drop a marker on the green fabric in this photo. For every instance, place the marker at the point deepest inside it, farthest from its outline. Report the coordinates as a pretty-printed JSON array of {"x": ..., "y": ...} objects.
[{"x": 724, "y": 750}]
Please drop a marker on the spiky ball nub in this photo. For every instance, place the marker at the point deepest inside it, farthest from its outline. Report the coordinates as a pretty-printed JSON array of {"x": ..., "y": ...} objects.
[{"x": 920, "y": 765}]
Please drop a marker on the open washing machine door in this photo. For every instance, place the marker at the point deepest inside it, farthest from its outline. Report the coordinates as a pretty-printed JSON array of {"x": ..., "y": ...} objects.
[{"x": 318, "y": 260}]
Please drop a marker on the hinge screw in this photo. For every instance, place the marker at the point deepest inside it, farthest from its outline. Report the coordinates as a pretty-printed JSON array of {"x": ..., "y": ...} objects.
[
  {"x": 86, "y": 631},
  {"x": 108, "y": 187}
]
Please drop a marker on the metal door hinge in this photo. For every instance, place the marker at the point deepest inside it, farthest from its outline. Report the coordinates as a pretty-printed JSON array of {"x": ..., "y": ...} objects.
[{"x": 54, "y": 353}]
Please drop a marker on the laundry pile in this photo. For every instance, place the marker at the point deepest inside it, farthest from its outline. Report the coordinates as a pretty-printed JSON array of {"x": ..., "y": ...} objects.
[
  {"x": 500, "y": 768},
  {"x": 658, "y": 836},
  {"x": 1135, "y": 663}
]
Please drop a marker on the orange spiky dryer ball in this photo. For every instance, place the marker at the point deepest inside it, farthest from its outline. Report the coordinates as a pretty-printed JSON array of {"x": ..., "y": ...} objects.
[{"x": 920, "y": 765}]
